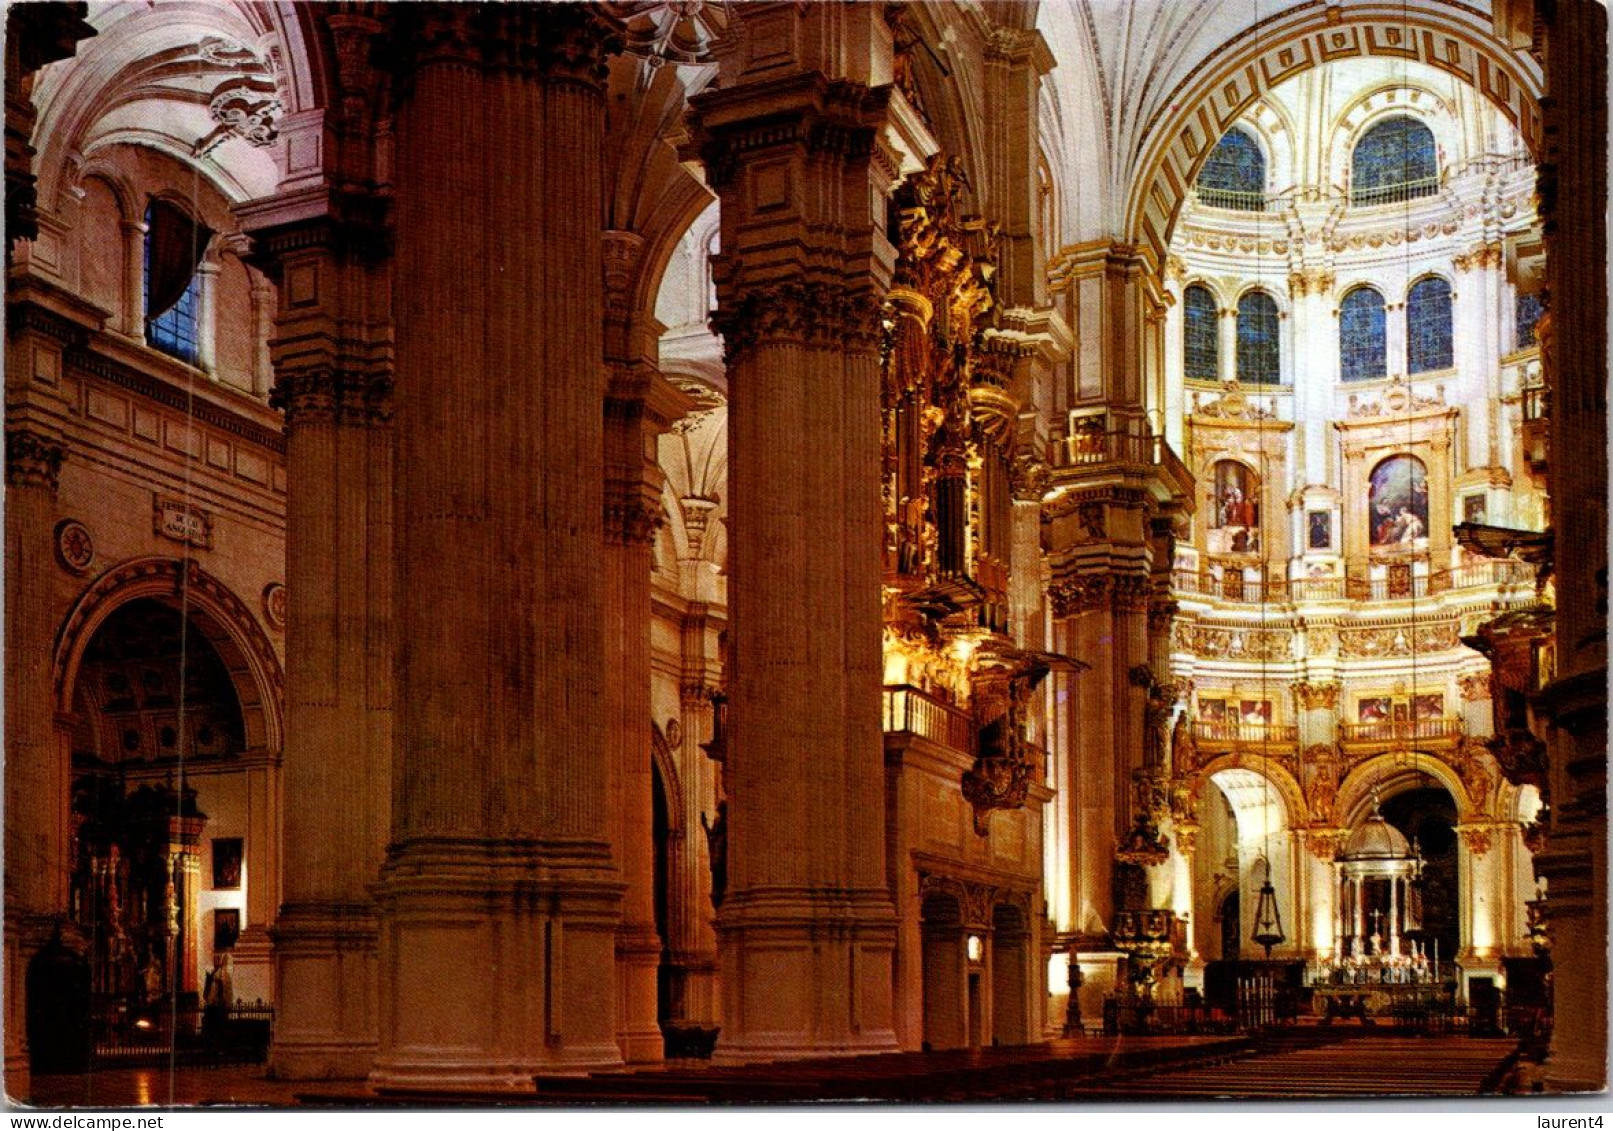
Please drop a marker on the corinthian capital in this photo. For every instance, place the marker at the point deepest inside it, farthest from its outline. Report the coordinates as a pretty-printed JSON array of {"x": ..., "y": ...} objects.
[
  {"x": 33, "y": 459},
  {"x": 553, "y": 42}
]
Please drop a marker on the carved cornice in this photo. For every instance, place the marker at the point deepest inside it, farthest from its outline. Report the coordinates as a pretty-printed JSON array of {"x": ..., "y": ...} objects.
[
  {"x": 549, "y": 42},
  {"x": 33, "y": 459}
]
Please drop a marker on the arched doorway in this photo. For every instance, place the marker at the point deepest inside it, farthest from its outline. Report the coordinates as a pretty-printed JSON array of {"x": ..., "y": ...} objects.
[
  {"x": 156, "y": 723},
  {"x": 1426, "y": 816},
  {"x": 945, "y": 989},
  {"x": 1010, "y": 940}
]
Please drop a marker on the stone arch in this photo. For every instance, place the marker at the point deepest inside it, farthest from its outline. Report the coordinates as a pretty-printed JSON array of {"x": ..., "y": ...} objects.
[
  {"x": 1391, "y": 773},
  {"x": 249, "y": 657},
  {"x": 1460, "y": 41},
  {"x": 1296, "y": 812},
  {"x": 665, "y": 763}
]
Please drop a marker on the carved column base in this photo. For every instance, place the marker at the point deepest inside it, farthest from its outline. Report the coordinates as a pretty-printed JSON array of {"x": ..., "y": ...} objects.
[
  {"x": 805, "y": 973},
  {"x": 325, "y": 966},
  {"x": 638, "y": 963},
  {"x": 497, "y": 964}
]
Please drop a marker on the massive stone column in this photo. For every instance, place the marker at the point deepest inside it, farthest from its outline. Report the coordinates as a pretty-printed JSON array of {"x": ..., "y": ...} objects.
[
  {"x": 807, "y": 929},
  {"x": 1574, "y": 202},
  {"x": 331, "y": 355},
  {"x": 499, "y": 900}
]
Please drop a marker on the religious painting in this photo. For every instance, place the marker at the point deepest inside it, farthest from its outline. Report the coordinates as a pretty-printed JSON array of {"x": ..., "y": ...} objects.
[
  {"x": 1213, "y": 710},
  {"x": 1398, "y": 502},
  {"x": 1427, "y": 706},
  {"x": 1319, "y": 528},
  {"x": 1402, "y": 711},
  {"x": 226, "y": 863},
  {"x": 1234, "y": 509},
  {"x": 1255, "y": 712},
  {"x": 226, "y": 928},
  {"x": 1473, "y": 509},
  {"x": 1373, "y": 710}
]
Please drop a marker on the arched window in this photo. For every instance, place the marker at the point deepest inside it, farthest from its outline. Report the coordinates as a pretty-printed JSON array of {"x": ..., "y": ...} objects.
[
  {"x": 1527, "y": 312},
  {"x": 1363, "y": 353},
  {"x": 1201, "y": 345},
  {"x": 174, "y": 246},
  {"x": 1393, "y": 161},
  {"x": 1234, "y": 175},
  {"x": 1258, "y": 353},
  {"x": 1428, "y": 325}
]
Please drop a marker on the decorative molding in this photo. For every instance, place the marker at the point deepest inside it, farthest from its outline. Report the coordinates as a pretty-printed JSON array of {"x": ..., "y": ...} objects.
[
  {"x": 75, "y": 548},
  {"x": 1473, "y": 686},
  {"x": 274, "y": 604},
  {"x": 1477, "y": 838},
  {"x": 1315, "y": 696},
  {"x": 819, "y": 315},
  {"x": 1398, "y": 639},
  {"x": 33, "y": 459},
  {"x": 549, "y": 42}
]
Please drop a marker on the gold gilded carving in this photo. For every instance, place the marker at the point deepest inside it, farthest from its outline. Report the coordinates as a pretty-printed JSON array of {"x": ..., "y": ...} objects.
[
  {"x": 1390, "y": 640},
  {"x": 1316, "y": 696},
  {"x": 1324, "y": 843},
  {"x": 1268, "y": 644},
  {"x": 1473, "y": 686},
  {"x": 1477, "y": 838}
]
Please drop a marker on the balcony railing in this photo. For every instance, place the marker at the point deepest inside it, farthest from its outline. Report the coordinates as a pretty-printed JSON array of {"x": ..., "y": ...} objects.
[
  {"x": 1401, "y": 730},
  {"x": 1395, "y": 193},
  {"x": 1234, "y": 199},
  {"x": 1233, "y": 587},
  {"x": 1092, "y": 449},
  {"x": 908, "y": 710},
  {"x": 1536, "y": 402},
  {"x": 1245, "y": 734}
]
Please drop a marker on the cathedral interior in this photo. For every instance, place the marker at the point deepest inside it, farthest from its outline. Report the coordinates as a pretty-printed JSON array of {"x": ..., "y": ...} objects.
[{"x": 546, "y": 542}]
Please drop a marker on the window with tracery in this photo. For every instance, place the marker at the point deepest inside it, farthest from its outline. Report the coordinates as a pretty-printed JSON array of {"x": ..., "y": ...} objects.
[
  {"x": 1259, "y": 356},
  {"x": 1234, "y": 175},
  {"x": 1527, "y": 313},
  {"x": 1428, "y": 325},
  {"x": 1363, "y": 346},
  {"x": 1201, "y": 344},
  {"x": 1395, "y": 160}
]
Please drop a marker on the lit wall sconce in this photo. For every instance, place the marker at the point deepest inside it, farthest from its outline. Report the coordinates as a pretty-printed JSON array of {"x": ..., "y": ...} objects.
[{"x": 975, "y": 948}]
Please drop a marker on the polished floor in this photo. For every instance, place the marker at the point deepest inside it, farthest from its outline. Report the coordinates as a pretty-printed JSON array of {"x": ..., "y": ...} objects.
[{"x": 1346, "y": 1064}]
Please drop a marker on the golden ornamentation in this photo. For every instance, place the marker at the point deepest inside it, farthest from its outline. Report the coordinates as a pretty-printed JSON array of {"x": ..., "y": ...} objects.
[{"x": 1316, "y": 696}]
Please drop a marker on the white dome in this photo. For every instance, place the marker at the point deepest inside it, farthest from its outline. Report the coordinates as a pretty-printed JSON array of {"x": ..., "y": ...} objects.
[{"x": 1377, "y": 839}]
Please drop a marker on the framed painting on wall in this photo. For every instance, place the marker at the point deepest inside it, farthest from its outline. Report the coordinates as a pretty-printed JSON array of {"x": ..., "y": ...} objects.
[
  {"x": 1319, "y": 530},
  {"x": 226, "y": 863},
  {"x": 226, "y": 928},
  {"x": 1373, "y": 710}
]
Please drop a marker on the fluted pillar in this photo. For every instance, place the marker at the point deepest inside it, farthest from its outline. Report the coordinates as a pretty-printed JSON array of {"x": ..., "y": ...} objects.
[
  {"x": 499, "y": 900},
  {"x": 807, "y": 930},
  {"x": 335, "y": 390}
]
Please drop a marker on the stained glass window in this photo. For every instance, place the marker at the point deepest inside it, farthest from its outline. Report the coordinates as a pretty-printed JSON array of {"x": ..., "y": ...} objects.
[
  {"x": 1363, "y": 353},
  {"x": 1428, "y": 325},
  {"x": 1200, "y": 334},
  {"x": 1258, "y": 352},
  {"x": 1528, "y": 310},
  {"x": 1394, "y": 161},
  {"x": 1234, "y": 175}
]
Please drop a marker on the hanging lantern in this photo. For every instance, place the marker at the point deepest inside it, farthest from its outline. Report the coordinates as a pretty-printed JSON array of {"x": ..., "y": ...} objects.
[{"x": 1268, "y": 919}]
